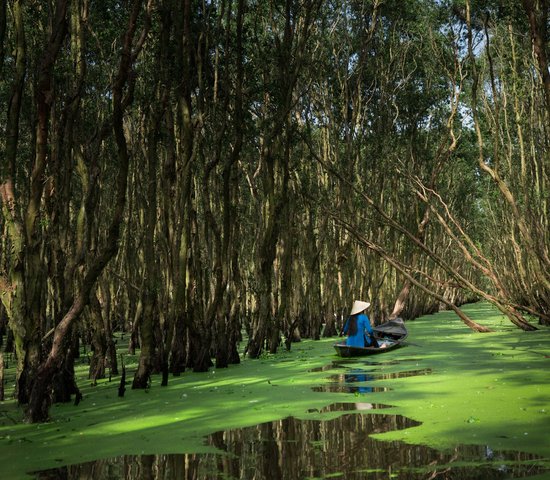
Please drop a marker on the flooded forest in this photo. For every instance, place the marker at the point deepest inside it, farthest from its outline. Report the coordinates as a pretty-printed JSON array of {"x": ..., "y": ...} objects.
[{"x": 207, "y": 180}]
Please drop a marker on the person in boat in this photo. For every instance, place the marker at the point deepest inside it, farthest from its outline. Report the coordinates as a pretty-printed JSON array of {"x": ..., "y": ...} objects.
[{"x": 358, "y": 327}]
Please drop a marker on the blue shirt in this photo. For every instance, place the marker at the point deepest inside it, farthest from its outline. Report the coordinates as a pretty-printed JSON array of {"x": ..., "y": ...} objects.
[{"x": 363, "y": 327}]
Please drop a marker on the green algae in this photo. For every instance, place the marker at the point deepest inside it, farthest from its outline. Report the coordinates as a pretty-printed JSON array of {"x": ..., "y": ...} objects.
[{"x": 485, "y": 389}]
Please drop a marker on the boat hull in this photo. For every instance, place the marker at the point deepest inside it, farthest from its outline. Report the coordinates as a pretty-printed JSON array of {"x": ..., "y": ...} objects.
[
  {"x": 390, "y": 334},
  {"x": 344, "y": 350}
]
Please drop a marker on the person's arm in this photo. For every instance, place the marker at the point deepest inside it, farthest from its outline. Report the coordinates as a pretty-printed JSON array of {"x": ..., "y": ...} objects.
[
  {"x": 370, "y": 332},
  {"x": 368, "y": 326}
]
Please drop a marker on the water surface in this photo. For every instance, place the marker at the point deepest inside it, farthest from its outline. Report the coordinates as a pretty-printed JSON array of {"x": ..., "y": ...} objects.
[{"x": 291, "y": 449}]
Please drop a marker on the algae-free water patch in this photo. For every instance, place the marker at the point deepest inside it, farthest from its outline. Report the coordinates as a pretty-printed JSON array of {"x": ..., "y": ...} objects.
[{"x": 290, "y": 449}]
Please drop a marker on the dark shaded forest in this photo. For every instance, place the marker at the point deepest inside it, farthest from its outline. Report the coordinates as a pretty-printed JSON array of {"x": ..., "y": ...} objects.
[{"x": 204, "y": 175}]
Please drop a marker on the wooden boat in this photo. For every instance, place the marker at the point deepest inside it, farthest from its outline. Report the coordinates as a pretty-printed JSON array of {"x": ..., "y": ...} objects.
[{"x": 390, "y": 335}]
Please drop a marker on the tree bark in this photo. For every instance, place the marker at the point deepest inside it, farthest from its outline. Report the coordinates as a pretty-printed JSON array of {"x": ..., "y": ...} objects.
[
  {"x": 184, "y": 163},
  {"x": 1, "y": 377},
  {"x": 39, "y": 401},
  {"x": 99, "y": 341},
  {"x": 3, "y": 22},
  {"x": 12, "y": 292},
  {"x": 151, "y": 287},
  {"x": 538, "y": 21}
]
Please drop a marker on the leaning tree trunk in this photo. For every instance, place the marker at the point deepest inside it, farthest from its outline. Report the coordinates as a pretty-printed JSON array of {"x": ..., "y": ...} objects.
[
  {"x": 64, "y": 249},
  {"x": 378, "y": 250}
]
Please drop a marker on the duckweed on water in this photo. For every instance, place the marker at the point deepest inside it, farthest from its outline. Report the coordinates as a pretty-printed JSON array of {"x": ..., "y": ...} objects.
[{"x": 487, "y": 390}]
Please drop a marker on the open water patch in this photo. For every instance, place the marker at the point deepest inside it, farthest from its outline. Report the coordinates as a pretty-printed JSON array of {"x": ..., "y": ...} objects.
[
  {"x": 349, "y": 407},
  {"x": 353, "y": 381},
  {"x": 290, "y": 449},
  {"x": 356, "y": 380},
  {"x": 358, "y": 389},
  {"x": 358, "y": 375},
  {"x": 337, "y": 364}
]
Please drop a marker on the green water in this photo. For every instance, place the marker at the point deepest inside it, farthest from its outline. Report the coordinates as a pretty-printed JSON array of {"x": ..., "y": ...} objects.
[{"x": 482, "y": 396}]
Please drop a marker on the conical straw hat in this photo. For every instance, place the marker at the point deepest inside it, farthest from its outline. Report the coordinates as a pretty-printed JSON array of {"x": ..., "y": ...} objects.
[{"x": 359, "y": 306}]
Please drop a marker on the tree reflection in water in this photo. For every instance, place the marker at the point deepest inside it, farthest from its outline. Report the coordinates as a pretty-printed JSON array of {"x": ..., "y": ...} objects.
[
  {"x": 354, "y": 380},
  {"x": 345, "y": 363},
  {"x": 304, "y": 449}
]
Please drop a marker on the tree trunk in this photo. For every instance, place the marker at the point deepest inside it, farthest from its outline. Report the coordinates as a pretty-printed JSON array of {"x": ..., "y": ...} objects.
[
  {"x": 111, "y": 355},
  {"x": 178, "y": 352},
  {"x": 64, "y": 382},
  {"x": 12, "y": 289},
  {"x": 538, "y": 21},
  {"x": 99, "y": 341},
  {"x": 183, "y": 163},
  {"x": 142, "y": 377},
  {"x": 151, "y": 281},
  {"x": 99, "y": 350},
  {"x": 1, "y": 377},
  {"x": 3, "y": 22},
  {"x": 39, "y": 401},
  {"x": 401, "y": 300}
]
